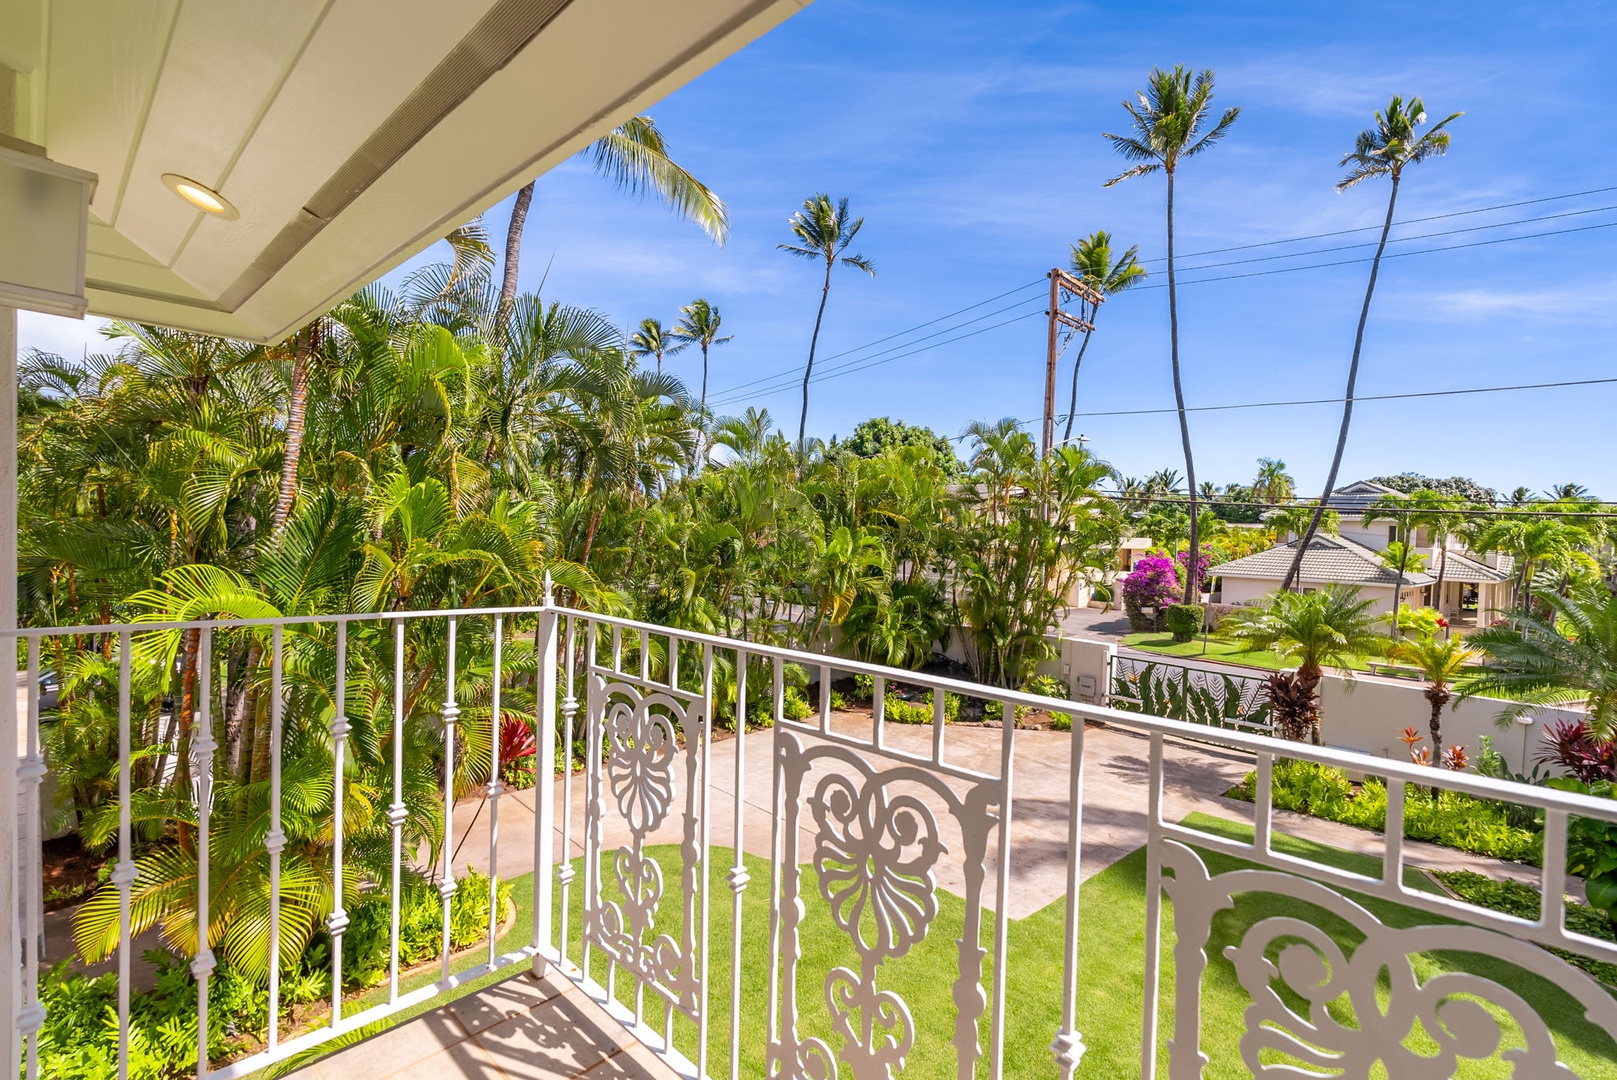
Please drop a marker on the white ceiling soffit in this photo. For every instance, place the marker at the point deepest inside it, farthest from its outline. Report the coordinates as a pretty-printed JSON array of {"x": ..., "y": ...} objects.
[{"x": 349, "y": 134}]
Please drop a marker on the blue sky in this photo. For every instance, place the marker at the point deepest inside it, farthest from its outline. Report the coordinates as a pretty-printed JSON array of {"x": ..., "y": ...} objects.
[{"x": 968, "y": 135}]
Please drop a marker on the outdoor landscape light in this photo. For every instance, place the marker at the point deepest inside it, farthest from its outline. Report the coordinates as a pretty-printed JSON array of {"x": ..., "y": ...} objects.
[{"x": 200, "y": 195}]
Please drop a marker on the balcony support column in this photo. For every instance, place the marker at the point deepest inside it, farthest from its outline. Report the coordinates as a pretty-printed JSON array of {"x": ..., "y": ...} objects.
[{"x": 10, "y": 729}]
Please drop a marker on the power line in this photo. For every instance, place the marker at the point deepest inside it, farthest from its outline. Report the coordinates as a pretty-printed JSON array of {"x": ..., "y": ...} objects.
[
  {"x": 1357, "y": 398},
  {"x": 1404, "y": 221},
  {"x": 1401, "y": 239},
  {"x": 729, "y": 394},
  {"x": 861, "y": 348}
]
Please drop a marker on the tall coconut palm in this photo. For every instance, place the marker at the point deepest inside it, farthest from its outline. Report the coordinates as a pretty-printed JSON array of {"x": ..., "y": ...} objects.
[
  {"x": 823, "y": 231},
  {"x": 1401, "y": 548},
  {"x": 634, "y": 156},
  {"x": 1440, "y": 662},
  {"x": 1093, "y": 264},
  {"x": 698, "y": 325},
  {"x": 1168, "y": 120},
  {"x": 1330, "y": 626},
  {"x": 1386, "y": 149},
  {"x": 1273, "y": 483},
  {"x": 653, "y": 341},
  {"x": 1440, "y": 515}
]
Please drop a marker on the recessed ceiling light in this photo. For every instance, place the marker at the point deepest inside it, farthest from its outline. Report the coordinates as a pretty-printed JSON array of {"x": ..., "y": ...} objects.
[{"x": 200, "y": 195}]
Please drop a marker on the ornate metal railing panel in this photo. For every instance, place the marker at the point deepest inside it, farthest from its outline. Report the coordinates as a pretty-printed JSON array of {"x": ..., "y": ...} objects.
[
  {"x": 1190, "y": 694},
  {"x": 866, "y": 831}
]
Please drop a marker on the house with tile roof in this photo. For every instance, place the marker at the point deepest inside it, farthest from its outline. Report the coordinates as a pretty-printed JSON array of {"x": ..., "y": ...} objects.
[{"x": 1465, "y": 586}]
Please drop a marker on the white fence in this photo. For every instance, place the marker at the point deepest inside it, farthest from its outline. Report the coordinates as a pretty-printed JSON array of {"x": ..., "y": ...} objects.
[{"x": 880, "y": 824}]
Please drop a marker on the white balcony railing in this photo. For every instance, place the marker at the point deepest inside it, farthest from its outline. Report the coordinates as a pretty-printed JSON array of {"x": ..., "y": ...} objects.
[{"x": 881, "y": 824}]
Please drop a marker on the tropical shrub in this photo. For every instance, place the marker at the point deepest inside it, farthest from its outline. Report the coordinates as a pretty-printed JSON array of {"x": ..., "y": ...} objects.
[
  {"x": 795, "y": 704},
  {"x": 1193, "y": 696},
  {"x": 1571, "y": 745},
  {"x": 899, "y": 711},
  {"x": 1184, "y": 620},
  {"x": 1524, "y": 901},
  {"x": 1450, "y": 818},
  {"x": 1591, "y": 849},
  {"x": 1048, "y": 686},
  {"x": 1152, "y": 584}
]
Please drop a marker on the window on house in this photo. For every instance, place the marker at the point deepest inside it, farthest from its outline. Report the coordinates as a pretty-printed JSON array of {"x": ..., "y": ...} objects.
[{"x": 1392, "y": 534}]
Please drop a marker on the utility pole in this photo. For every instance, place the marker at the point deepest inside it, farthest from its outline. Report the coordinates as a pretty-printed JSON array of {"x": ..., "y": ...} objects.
[{"x": 1064, "y": 289}]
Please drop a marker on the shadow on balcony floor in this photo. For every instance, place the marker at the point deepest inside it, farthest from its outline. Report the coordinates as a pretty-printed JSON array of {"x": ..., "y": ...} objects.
[{"x": 520, "y": 1029}]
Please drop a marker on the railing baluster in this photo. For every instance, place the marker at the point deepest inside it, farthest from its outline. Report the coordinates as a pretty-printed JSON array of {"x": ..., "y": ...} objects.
[
  {"x": 1552, "y": 913},
  {"x": 202, "y": 748},
  {"x": 776, "y": 872},
  {"x": 1392, "y": 866},
  {"x": 564, "y": 867},
  {"x": 337, "y": 921},
  {"x": 1068, "y": 1046},
  {"x": 1153, "y": 913},
  {"x": 878, "y": 709},
  {"x": 30, "y": 778},
  {"x": 738, "y": 877},
  {"x": 673, "y": 662},
  {"x": 397, "y": 812},
  {"x": 544, "y": 792},
  {"x": 940, "y": 721},
  {"x": 275, "y": 842},
  {"x": 825, "y": 697},
  {"x": 1263, "y": 797},
  {"x": 592, "y": 780},
  {"x": 451, "y": 714},
  {"x": 123, "y": 874},
  {"x": 703, "y": 876},
  {"x": 496, "y": 788},
  {"x": 1002, "y": 920}
]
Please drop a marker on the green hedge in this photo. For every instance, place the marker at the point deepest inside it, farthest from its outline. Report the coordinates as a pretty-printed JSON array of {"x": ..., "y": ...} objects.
[
  {"x": 1450, "y": 818},
  {"x": 1185, "y": 621}
]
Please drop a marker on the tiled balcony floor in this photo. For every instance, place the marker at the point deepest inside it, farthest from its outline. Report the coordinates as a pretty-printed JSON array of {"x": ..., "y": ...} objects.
[{"x": 520, "y": 1029}]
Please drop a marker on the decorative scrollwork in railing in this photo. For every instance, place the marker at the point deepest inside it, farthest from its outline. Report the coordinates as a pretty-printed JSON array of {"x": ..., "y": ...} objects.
[
  {"x": 1193, "y": 695},
  {"x": 1321, "y": 1009},
  {"x": 639, "y": 731},
  {"x": 876, "y": 843}
]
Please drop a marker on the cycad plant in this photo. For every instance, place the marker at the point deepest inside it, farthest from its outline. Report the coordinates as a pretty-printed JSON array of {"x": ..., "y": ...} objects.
[
  {"x": 1386, "y": 149},
  {"x": 824, "y": 230},
  {"x": 1169, "y": 125},
  {"x": 1567, "y": 655}
]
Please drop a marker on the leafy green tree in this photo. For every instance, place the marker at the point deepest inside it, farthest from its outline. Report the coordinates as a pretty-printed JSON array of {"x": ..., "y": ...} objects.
[
  {"x": 881, "y": 434},
  {"x": 823, "y": 231},
  {"x": 1387, "y": 149},
  {"x": 1565, "y": 656},
  {"x": 1168, "y": 121},
  {"x": 1094, "y": 264},
  {"x": 1327, "y": 627},
  {"x": 1460, "y": 487}
]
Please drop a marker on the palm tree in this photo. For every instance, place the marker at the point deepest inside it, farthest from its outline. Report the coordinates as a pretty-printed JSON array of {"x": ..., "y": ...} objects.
[
  {"x": 1290, "y": 521},
  {"x": 1092, "y": 263},
  {"x": 698, "y": 325},
  {"x": 1440, "y": 515},
  {"x": 651, "y": 340},
  {"x": 1168, "y": 120},
  {"x": 1401, "y": 548},
  {"x": 1386, "y": 149},
  {"x": 634, "y": 156},
  {"x": 1329, "y": 626},
  {"x": 1566, "y": 493},
  {"x": 1569, "y": 655},
  {"x": 1520, "y": 496},
  {"x": 824, "y": 232},
  {"x": 1440, "y": 661},
  {"x": 1273, "y": 483}
]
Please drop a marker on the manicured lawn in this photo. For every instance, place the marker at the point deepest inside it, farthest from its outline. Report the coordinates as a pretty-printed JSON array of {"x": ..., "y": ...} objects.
[
  {"x": 1225, "y": 652},
  {"x": 1111, "y": 973}
]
